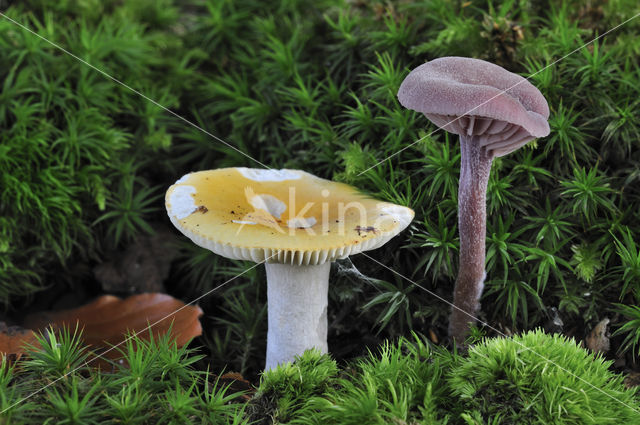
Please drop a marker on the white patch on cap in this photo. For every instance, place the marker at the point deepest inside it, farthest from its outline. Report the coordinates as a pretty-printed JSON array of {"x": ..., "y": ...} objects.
[
  {"x": 244, "y": 222},
  {"x": 183, "y": 179},
  {"x": 402, "y": 215},
  {"x": 270, "y": 204},
  {"x": 301, "y": 223},
  {"x": 395, "y": 210},
  {"x": 260, "y": 175},
  {"x": 181, "y": 202}
]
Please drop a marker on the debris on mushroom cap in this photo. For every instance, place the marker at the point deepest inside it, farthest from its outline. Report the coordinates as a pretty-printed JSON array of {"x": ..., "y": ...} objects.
[
  {"x": 283, "y": 216},
  {"x": 473, "y": 97}
]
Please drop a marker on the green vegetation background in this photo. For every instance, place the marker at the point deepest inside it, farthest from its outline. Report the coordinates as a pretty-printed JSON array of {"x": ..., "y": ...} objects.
[
  {"x": 84, "y": 161},
  {"x": 529, "y": 379}
]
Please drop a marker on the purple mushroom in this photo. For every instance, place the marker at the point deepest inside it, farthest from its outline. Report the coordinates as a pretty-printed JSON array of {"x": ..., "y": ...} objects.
[{"x": 494, "y": 112}]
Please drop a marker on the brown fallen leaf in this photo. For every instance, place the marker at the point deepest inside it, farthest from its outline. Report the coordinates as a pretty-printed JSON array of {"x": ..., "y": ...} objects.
[
  {"x": 13, "y": 340},
  {"x": 107, "y": 320}
]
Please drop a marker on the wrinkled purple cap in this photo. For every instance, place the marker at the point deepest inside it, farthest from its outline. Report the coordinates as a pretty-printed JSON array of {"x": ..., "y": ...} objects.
[{"x": 503, "y": 110}]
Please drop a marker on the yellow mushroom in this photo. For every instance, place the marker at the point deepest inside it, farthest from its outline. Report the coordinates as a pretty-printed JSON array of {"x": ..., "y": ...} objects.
[{"x": 297, "y": 224}]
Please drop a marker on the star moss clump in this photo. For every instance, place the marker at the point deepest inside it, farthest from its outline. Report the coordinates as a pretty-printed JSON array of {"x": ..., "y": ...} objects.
[
  {"x": 61, "y": 381},
  {"x": 534, "y": 378},
  {"x": 76, "y": 147},
  {"x": 537, "y": 378},
  {"x": 312, "y": 85}
]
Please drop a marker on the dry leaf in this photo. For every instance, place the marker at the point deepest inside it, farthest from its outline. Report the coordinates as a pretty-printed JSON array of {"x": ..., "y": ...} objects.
[
  {"x": 13, "y": 340},
  {"x": 107, "y": 320}
]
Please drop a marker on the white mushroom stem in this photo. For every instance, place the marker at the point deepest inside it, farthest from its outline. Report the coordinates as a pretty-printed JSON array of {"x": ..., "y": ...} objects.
[
  {"x": 472, "y": 218},
  {"x": 297, "y": 299}
]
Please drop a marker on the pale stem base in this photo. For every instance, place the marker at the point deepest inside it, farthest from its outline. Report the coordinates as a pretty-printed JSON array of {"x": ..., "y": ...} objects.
[
  {"x": 475, "y": 166},
  {"x": 297, "y": 308}
]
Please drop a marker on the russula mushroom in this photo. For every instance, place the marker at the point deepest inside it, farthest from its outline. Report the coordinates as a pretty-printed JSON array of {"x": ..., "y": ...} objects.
[
  {"x": 494, "y": 112},
  {"x": 297, "y": 224}
]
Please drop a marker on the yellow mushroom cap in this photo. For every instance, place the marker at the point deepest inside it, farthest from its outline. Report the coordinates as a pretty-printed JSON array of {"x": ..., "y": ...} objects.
[{"x": 281, "y": 216}]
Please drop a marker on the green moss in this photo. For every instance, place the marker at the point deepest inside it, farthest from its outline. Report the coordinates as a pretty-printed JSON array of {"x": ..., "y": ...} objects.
[
  {"x": 84, "y": 161},
  {"x": 154, "y": 382},
  {"x": 532, "y": 378},
  {"x": 537, "y": 378},
  {"x": 285, "y": 389},
  {"x": 74, "y": 144}
]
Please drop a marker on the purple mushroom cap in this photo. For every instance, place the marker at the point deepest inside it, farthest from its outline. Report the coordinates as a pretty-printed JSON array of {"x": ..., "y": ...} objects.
[{"x": 471, "y": 97}]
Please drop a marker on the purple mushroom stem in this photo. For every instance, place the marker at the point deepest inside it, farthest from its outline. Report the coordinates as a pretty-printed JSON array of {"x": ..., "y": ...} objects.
[
  {"x": 494, "y": 112},
  {"x": 472, "y": 217}
]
